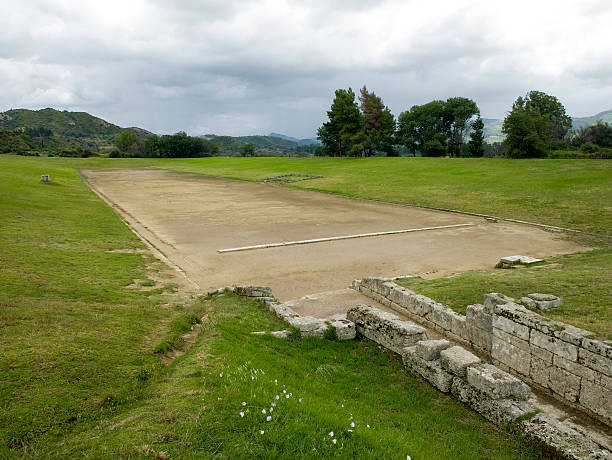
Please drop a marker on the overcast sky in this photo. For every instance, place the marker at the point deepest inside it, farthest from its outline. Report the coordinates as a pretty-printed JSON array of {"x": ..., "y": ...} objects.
[{"x": 252, "y": 67}]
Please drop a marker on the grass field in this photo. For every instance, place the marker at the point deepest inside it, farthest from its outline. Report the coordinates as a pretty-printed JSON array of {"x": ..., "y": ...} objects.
[{"x": 80, "y": 376}]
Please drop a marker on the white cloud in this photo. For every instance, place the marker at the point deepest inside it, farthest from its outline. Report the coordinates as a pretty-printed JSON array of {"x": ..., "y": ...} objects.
[{"x": 246, "y": 67}]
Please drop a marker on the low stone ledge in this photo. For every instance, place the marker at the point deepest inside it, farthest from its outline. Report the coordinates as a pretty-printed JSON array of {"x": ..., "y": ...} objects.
[
  {"x": 498, "y": 411},
  {"x": 345, "y": 329},
  {"x": 309, "y": 326},
  {"x": 457, "y": 359},
  {"x": 493, "y": 299},
  {"x": 429, "y": 350},
  {"x": 496, "y": 383},
  {"x": 431, "y": 371},
  {"x": 561, "y": 440},
  {"x": 385, "y": 328},
  {"x": 253, "y": 291}
]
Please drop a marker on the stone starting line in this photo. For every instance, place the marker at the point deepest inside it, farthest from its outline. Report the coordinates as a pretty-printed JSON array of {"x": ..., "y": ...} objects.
[{"x": 343, "y": 237}]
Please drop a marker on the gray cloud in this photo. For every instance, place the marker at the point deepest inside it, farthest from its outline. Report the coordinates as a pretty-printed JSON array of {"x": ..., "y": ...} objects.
[{"x": 246, "y": 67}]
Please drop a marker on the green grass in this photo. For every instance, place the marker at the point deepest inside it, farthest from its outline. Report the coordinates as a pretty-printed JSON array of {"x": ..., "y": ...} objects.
[
  {"x": 192, "y": 409},
  {"x": 582, "y": 280},
  {"x": 73, "y": 339},
  {"x": 80, "y": 376},
  {"x": 568, "y": 193}
]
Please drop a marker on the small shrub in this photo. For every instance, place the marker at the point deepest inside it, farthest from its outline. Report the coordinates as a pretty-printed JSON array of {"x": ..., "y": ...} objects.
[
  {"x": 330, "y": 333},
  {"x": 162, "y": 347},
  {"x": 589, "y": 147}
]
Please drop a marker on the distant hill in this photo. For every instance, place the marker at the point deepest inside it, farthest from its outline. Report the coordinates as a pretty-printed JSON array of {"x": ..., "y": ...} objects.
[
  {"x": 266, "y": 145},
  {"x": 493, "y": 126},
  {"x": 68, "y": 130},
  {"x": 295, "y": 139}
]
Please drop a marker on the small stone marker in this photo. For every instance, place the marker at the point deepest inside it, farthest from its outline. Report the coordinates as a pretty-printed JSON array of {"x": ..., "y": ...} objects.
[
  {"x": 45, "y": 178},
  {"x": 542, "y": 301},
  {"x": 511, "y": 261}
]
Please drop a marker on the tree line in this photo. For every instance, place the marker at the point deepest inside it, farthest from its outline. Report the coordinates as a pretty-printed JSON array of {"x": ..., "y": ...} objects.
[
  {"x": 178, "y": 145},
  {"x": 437, "y": 128},
  {"x": 536, "y": 124}
]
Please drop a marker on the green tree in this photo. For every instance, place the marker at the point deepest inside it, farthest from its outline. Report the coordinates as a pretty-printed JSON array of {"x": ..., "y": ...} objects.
[
  {"x": 151, "y": 146},
  {"x": 343, "y": 133},
  {"x": 551, "y": 109},
  {"x": 458, "y": 111},
  {"x": 475, "y": 147},
  {"x": 379, "y": 123},
  {"x": 527, "y": 131},
  {"x": 247, "y": 150},
  {"x": 424, "y": 124},
  {"x": 126, "y": 141},
  {"x": 533, "y": 124}
]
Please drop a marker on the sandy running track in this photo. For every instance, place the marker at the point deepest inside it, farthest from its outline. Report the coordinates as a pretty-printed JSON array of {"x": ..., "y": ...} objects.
[{"x": 189, "y": 217}]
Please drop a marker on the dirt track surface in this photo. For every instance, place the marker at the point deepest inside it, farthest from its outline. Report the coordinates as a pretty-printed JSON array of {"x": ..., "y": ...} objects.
[{"x": 190, "y": 217}]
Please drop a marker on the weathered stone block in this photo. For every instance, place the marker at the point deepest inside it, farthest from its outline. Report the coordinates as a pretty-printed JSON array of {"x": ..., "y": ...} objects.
[
  {"x": 596, "y": 362},
  {"x": 539, "y": 372},
  {"x": 457, "y": 359},
  {"x": 480, "y": 338},
  {"x": 281, "y": 334},
  {"x": 502, "y": 336},
  {"x": 597, "y": 398},
  {"x": 385, "y": 328},
  {"x": 440, "y": 316},
  {"x": 564, "y": 383},
  {"x": 520, "y": 314},
  {"x": 345, "y": 329},
  {"x": 459, "y": 326},
  {"x": 494, "y": 298},
  {"x": 496, "y": 383},
  {"x": 511, "y": 327},
  {"x": 562, "y": 440},
  {"x": 477, "y": 317},
  {"x": 575, "y": 368},
  {"x": 555, "y": 346},
  {"x": 541, "y": 354},
  {"x": 513, "y": 357},
  {"x": 570, "y": 334},
  {"x": 307, "y": 324},
  {"x": 431, "y": 371},
  {"x": 598, "y": 347},
  {"x": 430, "y": 349},
  {"x": 253, "y": 291},
  {"x": 498, "y": 411},
  {"x": 545, "y": 301},
  {"x": 527, "y": 302}
]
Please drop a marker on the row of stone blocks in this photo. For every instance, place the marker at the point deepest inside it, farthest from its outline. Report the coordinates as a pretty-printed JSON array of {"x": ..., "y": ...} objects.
[
  {"x": 497, "y": 395},
  {"x": 559, "y": 358},
  {"x": 307, "y": 325}
]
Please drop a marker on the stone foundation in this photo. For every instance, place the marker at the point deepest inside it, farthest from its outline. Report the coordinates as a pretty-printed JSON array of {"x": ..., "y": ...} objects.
[{"x": 561, "y": 359}]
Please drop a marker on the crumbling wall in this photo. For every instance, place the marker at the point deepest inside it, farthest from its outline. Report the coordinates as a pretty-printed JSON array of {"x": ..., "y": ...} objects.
[{"x": 561, "y": 359}]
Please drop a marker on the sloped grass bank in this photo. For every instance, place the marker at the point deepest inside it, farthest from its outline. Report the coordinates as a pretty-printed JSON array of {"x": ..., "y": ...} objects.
[
  {"x": 73, "y": 340},
  {"x": 237, "y": 395},
  {"x": 583, "y": 281}
]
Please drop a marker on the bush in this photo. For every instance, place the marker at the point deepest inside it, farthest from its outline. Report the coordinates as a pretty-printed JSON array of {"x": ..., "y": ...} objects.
[
  {"x": 589, "y": 147},
  {"x": 434, "y": 149}
]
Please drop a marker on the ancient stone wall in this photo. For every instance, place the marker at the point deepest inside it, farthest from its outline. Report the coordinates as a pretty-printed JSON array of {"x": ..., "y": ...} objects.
[{"x": 558, "y": 358}]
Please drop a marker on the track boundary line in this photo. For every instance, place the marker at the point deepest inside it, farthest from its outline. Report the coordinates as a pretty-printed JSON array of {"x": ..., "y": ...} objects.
[{"x": 342, "y": 237}]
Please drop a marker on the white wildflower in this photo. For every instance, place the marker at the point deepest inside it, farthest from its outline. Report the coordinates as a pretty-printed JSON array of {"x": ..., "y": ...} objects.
[
  {"x": 352, "y": 424},
  {"x": 244, "y": 403},
  {"x": 334, "y": 441},
  {"x": 268, "y": 418},
  {"x": 242, "y": 414},
  {"x": 331, "y": 434},
  {"x": 261, "y": 432},
  {"x": 263, "y": 411}
]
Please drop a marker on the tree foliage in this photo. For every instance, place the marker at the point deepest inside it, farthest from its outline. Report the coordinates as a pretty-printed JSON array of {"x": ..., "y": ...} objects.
[
  {"x": 599, "y": 134},
  {"x": 343, "y": 134},
  {"x": 533, "y": 124},
  {"x": 178, "y": 145},
  {"x": 437, "y": 128},
  {"x": 379, "y": 124},
  {"x": 475, "y": 147},
  {"x": 247, "y": 150}
]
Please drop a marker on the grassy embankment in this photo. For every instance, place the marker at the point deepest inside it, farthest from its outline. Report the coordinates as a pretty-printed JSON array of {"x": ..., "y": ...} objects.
[{"x": 80, "y": 376}]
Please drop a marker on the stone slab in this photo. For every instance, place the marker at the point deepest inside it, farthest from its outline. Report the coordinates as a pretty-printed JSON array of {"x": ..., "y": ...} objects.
[
  {"x": 457, "y": 359},
  {"x": 496, "y": 383},
  {"x": 431, "y": 371},
  {"x": 429, "y": 350}
]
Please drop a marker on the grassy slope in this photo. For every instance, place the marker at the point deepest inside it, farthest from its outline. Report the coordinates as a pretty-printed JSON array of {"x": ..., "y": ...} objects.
[
  {"x": 79, "y": 377},
  {"x": 72, "y": 335},
  {"x": 193, "y": 408}
]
